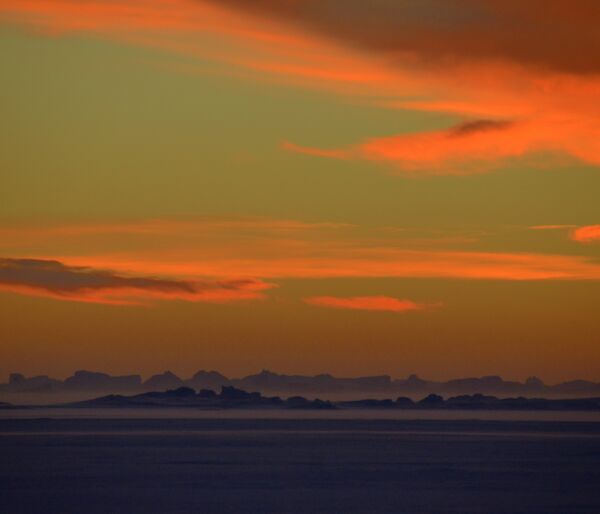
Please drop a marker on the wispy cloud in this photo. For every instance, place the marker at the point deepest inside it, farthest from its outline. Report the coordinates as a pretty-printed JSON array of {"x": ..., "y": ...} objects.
[
  {"x": 50, "y": 278},
  {"x": 172, "y": 227},
  {"x": 551, "y": 227},
  {"x": 367, "y": 303}
]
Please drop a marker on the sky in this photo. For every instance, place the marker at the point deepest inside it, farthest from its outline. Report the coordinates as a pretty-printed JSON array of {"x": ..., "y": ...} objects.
[{"x": 305, "y": 186}]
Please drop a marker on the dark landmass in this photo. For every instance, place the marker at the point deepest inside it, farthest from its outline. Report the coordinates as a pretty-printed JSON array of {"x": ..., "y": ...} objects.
[
  {"x": 233, "y": 398},
  {"x": 478, "y": 402},
  {"x": 267, "y": 382},
  {"x": 229, "y": 398}
]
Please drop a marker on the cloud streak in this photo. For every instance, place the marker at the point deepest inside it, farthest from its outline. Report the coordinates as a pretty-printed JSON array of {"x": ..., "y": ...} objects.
[
  {"x": 192, "y": 249},
  {"x": 551, "y": 227},
  {"x": 51, "y": 278},
  {"x": 289, "y": 261},
  {"x": 366, "y": 303},
  {"x": 470, "y": 147}
]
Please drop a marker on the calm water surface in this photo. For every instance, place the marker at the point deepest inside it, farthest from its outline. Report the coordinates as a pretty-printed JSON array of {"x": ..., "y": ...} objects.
[{"x": 278, "y": 462}]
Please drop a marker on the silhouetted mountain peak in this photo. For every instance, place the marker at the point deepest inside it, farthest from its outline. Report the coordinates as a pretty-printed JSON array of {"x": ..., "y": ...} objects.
[
  {"x": 207, "y": 393},
  {"x": 432, "y": 400},
  {"x": 403, "y": 401},
  {"x": 415, "y": 380},
  {"x": 83, "y": 380},
  {"x": 19, "y": 383},
  {"x": 232, "y": 393},
  {"x": 85, "y": 377},
  {"x": 181, "y": 392},
  {"x": 164, "y": 381},
  {"x": 84, "y": 373},
  {"x": 209, "y": 375},
  {"x": 534, "y": 382},
  {"x": 492, "y": 379},
  {"x": 16, "y": 378},
  {"x": 268, "y": 381}
]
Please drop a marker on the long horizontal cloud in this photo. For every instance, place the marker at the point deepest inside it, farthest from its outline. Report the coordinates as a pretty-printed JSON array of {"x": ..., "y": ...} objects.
[
  {"x": 366, "y": 303},
  {"x": 173, "y": 227},
  {"x": 273, "y": 250},
  {"x": 50, "y": 278},
  {"x": 314, "y": 261},
  {"x": 524, "y": 73},
  {"x": 551, "y": 227}
]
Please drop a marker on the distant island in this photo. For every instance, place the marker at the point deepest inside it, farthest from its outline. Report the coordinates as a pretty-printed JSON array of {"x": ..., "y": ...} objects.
[
  {"x": 267, "y": 382},
  {"x": 232, "y": 398}
]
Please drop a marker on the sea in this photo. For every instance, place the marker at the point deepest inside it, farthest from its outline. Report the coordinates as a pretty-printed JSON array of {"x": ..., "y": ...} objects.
[{"x": 113, "y": 461}]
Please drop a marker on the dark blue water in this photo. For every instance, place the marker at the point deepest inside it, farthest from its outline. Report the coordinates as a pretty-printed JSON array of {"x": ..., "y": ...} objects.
[{"x": 108, "y": 466}]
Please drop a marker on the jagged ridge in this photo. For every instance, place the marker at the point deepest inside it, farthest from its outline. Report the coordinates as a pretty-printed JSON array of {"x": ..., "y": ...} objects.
[{"x": 269, "y": 382}]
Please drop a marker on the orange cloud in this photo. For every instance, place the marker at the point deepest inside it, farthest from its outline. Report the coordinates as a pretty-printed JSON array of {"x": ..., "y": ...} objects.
[
  {"x": 11, "y": 235},
  {"x": 464, "y": 149},
  {"x": 194, "y": 249},
  {"x": 524, "y": 90},
  {"x": 472, "y": 147},
  {"x": 317, "y": 152},
  {"x": 366, "y": 303},
  {"x": 532, "y": 33},
  {"x": 351, "y": 262},
  {"x": 53, "y": 279},
  {"x": 497, "y": 60},
  {"x": 551, "y": 227},
  {"x": 587, "y": 234}
]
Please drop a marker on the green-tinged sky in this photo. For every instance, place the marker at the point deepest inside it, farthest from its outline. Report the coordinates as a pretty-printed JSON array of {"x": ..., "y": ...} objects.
[{"x": 234, "y": 186}]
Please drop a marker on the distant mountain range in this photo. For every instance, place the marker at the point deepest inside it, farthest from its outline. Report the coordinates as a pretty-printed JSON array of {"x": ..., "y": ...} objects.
[{"x": 268, "y": 382}]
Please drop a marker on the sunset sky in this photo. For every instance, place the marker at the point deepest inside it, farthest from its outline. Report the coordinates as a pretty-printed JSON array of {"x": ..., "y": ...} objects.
[{"x": 308, "y": 186}]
